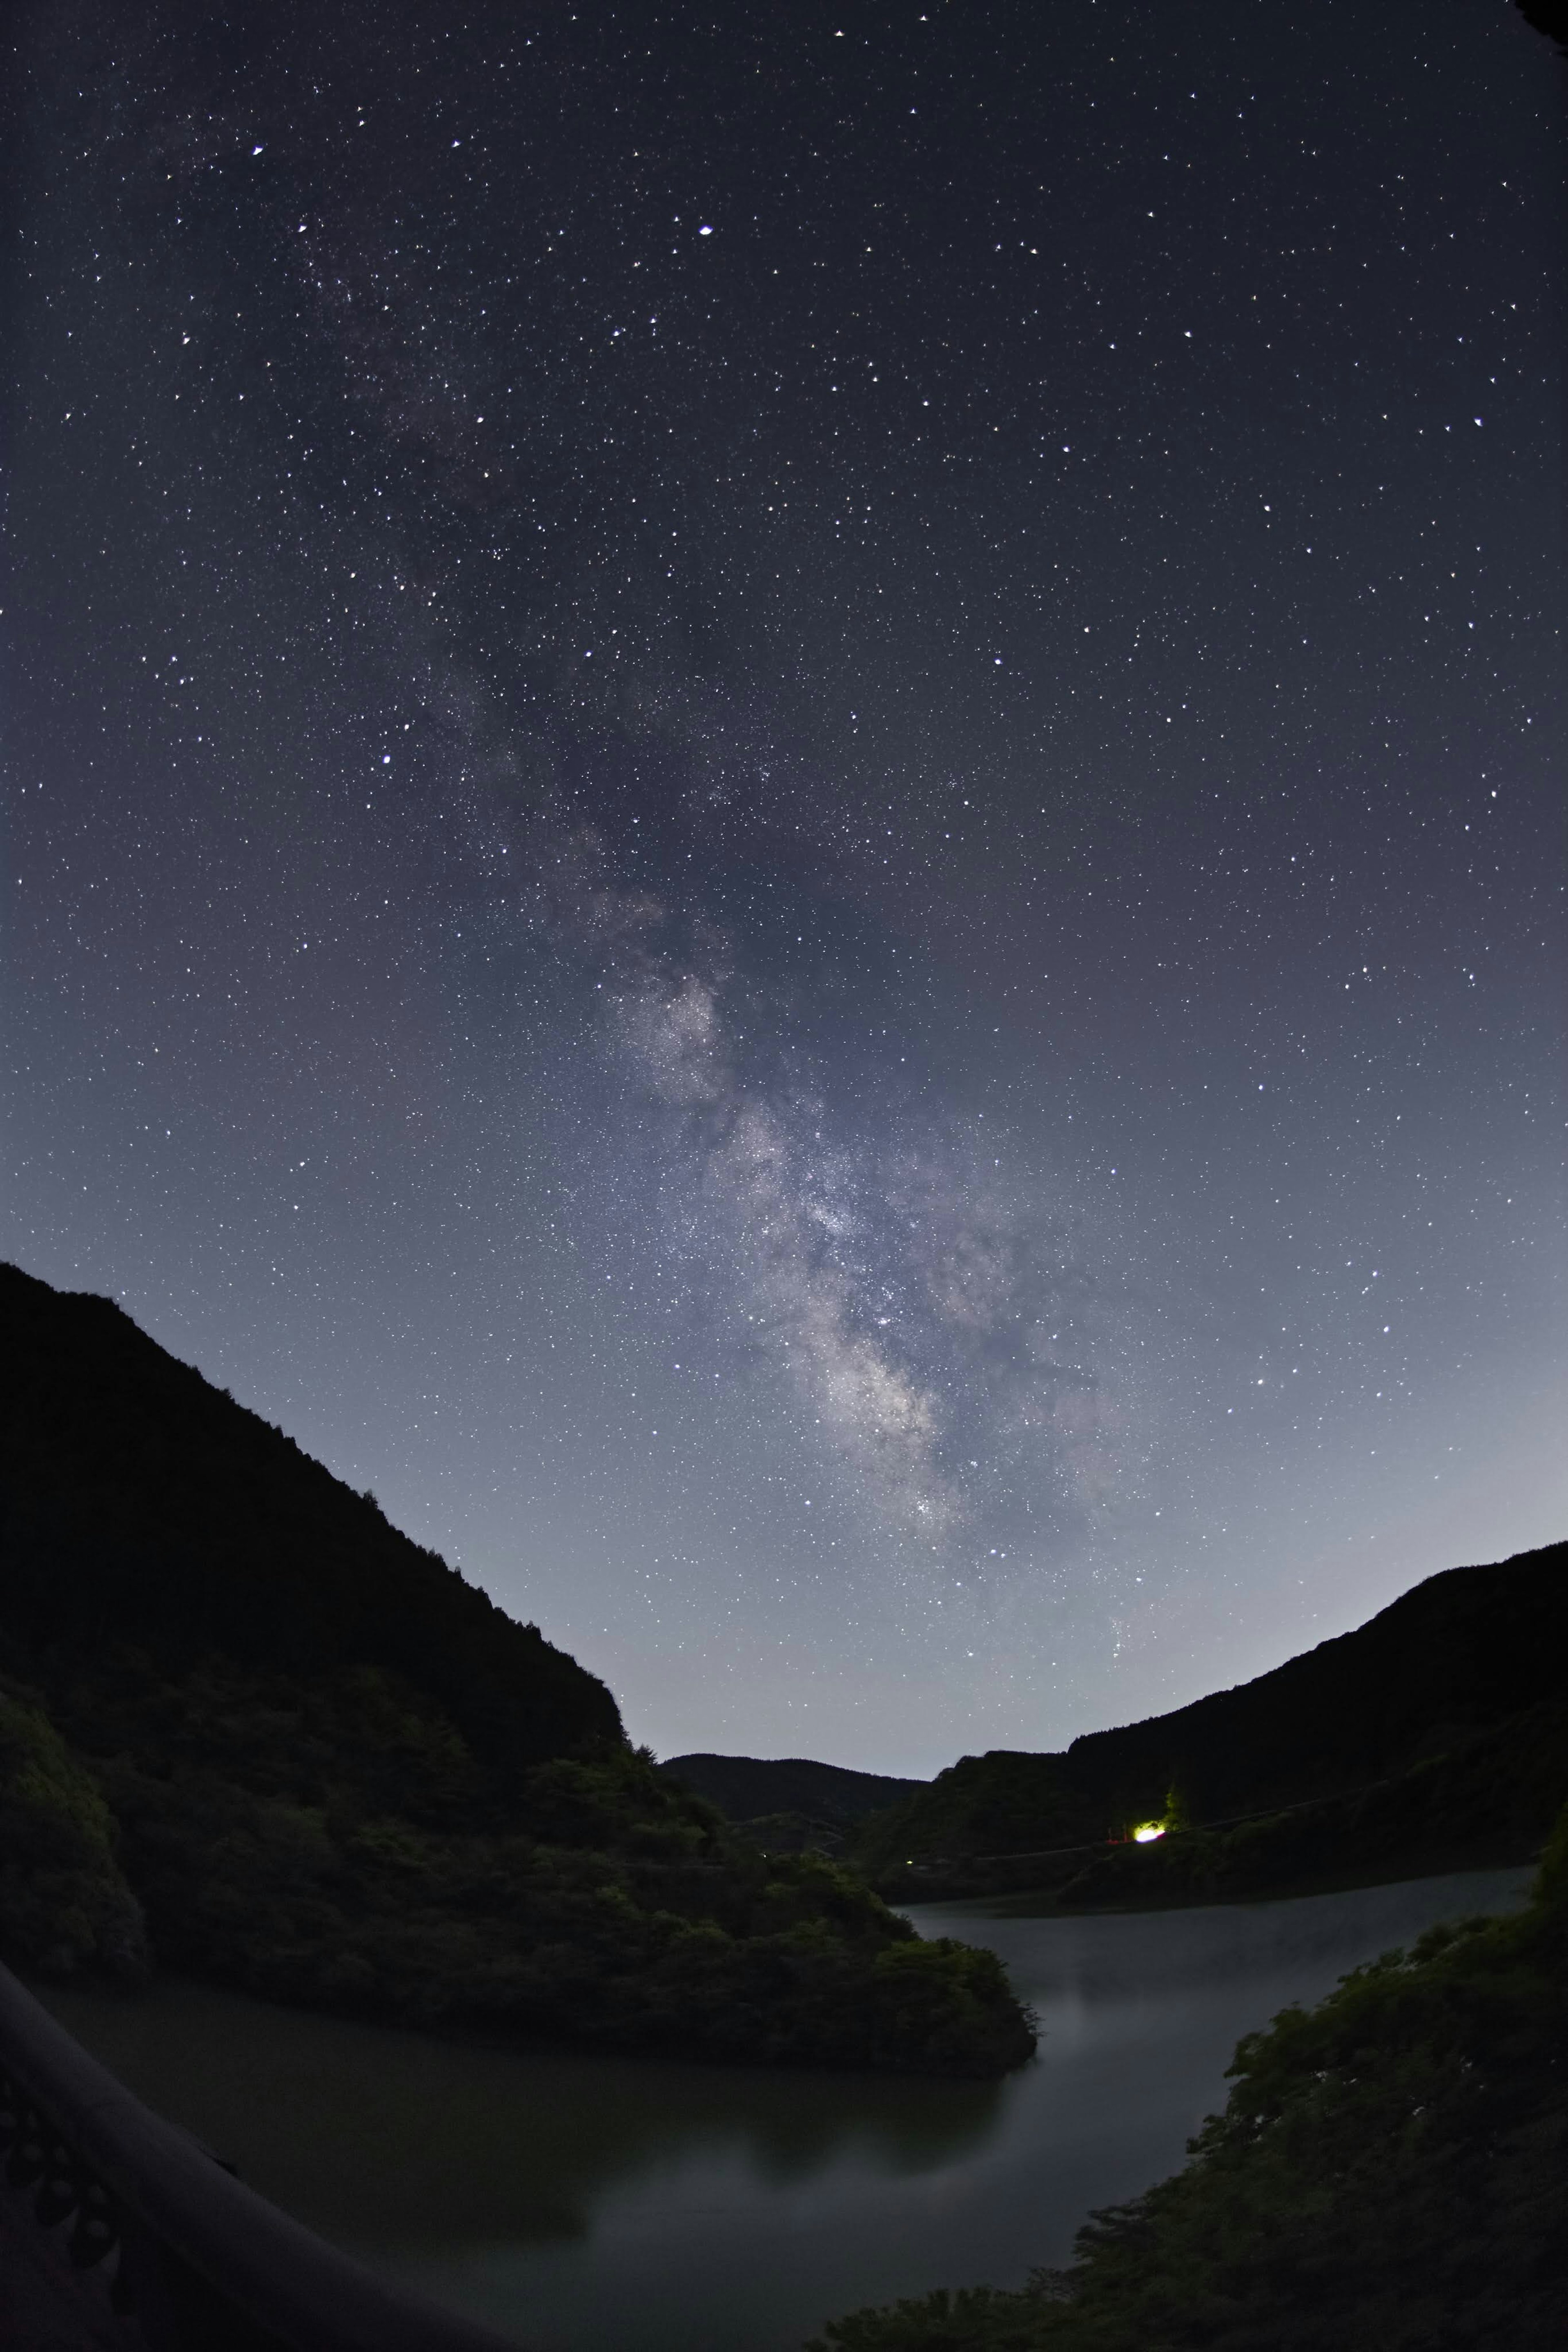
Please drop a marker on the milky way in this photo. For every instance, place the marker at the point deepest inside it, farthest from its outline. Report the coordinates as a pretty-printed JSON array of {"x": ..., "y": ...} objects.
[{"x": 784, "y": 813}]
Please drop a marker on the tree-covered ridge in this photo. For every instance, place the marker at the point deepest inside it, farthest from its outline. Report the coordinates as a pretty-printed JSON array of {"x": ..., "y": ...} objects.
[
  {"x": 745, "y": 1788},
  {"x": 1457, "y": 1692},
  {"x": 1486, "y": 1800},
  {"x": 789, "y": 1804},
  {"x": 139, "y": 1503},
  {"x": 248, "y": 1730},
  {"x": 1387, "y": 2175}
]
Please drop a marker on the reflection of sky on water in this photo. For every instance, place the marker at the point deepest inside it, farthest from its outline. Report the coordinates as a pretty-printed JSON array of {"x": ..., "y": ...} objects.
[{"x": 605, "y": 2205}]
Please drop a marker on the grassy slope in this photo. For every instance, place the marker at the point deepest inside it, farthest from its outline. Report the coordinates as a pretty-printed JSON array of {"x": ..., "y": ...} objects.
[
  {"x": 1387, "y": 2176},
  {"x": 239, "y": 1708}
]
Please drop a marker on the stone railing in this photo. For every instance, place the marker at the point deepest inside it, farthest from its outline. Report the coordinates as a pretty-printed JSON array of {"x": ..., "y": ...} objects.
[{"x": 130, "y": 2233}]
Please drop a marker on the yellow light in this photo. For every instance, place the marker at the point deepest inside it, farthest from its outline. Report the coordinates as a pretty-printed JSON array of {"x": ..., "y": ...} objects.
[{"x": 1146, "y": 1831}]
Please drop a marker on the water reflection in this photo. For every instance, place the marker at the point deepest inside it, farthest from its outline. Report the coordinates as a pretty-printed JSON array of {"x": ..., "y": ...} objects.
[
  {"x": 396, "y": 2143},
  {"x": 606, "y": 2205}
]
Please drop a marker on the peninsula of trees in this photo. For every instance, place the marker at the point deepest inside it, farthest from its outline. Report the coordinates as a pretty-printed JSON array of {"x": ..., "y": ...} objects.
[{"x": 250, "y": 1731}]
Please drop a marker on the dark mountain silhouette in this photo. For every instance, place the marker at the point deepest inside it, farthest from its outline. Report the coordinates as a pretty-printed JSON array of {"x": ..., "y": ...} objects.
[
  {"x": 751, "y": 1788},
  {"x": 249, "y": 1730},
  {"x": 1438, "y": 1729},
  {"x": 1548, "y": 16},
  {"x": 139, "y": 1503}
]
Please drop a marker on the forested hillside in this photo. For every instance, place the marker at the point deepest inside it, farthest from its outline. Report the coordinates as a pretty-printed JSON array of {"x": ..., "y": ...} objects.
[
  {"x": 249, "y": 1730},
  {"x": 138, "y": 1503},
  {"x": 790, "y": 1803},
  {"x": 1436, "y": 1733}
]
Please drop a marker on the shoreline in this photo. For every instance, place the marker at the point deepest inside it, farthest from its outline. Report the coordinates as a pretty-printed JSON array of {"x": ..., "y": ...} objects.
[{"x": 1039, "y": 1903}]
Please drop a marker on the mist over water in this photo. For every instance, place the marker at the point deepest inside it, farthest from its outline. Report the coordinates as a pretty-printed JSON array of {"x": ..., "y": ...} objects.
[{"x": 600, "y": 2204}]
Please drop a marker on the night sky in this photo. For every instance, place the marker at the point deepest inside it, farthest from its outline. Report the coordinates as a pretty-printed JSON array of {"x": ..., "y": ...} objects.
[{"x": 783, "y": 811}]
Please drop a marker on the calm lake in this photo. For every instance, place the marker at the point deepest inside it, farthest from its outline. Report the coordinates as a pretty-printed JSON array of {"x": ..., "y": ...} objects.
[{"x": 609, "y": 2205}]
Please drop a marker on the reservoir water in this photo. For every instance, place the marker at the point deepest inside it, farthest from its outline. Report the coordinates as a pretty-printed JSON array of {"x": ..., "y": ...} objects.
[{"x": 587, "y": 2204}]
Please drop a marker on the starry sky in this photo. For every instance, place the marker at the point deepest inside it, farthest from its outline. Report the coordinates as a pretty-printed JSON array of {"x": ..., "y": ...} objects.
[{"x": 782, "y": 823}]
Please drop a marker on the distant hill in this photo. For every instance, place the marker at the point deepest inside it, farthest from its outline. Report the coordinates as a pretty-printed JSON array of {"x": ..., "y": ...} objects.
[
  {"x": 249, "y": 1730},
  {"x": 1438, "y": 1728},
  {"x": 748, "y": 1788}
]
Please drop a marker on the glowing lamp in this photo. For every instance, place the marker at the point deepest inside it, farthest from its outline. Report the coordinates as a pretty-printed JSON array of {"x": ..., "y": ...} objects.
[{"x": 1146, "y": 1831}]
